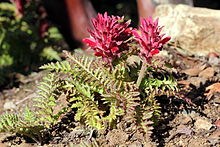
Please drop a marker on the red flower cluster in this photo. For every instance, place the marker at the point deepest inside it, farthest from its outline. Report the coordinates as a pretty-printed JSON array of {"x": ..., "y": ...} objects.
[
  {"x": 151, "y": 41},
  {"x": 107, "y": 38}
]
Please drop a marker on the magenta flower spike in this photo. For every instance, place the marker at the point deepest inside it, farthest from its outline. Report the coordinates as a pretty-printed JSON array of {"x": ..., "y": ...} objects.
[
  {"x": 108, "y": 36},
  {"x": 150, "y": 39}
]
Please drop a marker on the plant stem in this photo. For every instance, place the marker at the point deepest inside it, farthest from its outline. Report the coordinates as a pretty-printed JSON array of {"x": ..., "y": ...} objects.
[{"x": 141, "y": 74}]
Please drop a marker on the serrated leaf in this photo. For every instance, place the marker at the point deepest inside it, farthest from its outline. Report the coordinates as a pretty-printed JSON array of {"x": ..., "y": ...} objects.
[{"x": 51, "y": 103}]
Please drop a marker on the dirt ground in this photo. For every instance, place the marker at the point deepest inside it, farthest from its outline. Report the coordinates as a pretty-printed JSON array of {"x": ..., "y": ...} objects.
[{"x": 192, "y": 121}]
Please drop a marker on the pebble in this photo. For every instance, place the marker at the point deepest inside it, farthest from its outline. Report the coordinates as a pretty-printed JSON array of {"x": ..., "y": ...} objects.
[
  {"x": 191, "y": 114},
  {"x": 9, "y": 105},
  {"x": 213, "y": 59},
  {"x": 183, "y": 129},
  {"x": 135, "y": 144},
  {"x": 203, "y": 124},
  {"x": 207, "y": 73}
]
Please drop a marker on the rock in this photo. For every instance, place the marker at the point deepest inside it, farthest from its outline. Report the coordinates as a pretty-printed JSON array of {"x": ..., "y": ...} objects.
[
  {"x": 213, "y": 59},
  {"x": 9, "y": 105},
  {"x": 182, "y": 129},
  {"x": 211, "y": 90},
  {"x": 191, "y": 114},
  {"x": 197, "y": 81},
  {"x": 135, "y": 144},
  {"x": 196, "y": 30},
  {"x": 192, "y": 71},
  {"x": 214, "y": 138},
  {"x": 207, "y": 73},
  {"x": 213, "y": 55},
  {"x": 203, "y": 124},
  {"x": 184, "y": 82}
]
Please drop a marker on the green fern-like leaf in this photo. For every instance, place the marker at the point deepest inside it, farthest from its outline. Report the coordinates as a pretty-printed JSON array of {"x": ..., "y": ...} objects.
[
  {"x": 25, "y": 124},
  {"x": 50, "y": 90},
  {"x": 86, "y": 70},
  {"x": 155, "y": 87},
  {"x": 102, "y": 95},
  {"x": 87, "y": 108},
  {"x": 62, "y": 66},
  {"x": 50, "y": 54},
  {"x": 29, "y": 116},
  {"x": 146, "y": 122},
  {"x": 33, "y": 123}
]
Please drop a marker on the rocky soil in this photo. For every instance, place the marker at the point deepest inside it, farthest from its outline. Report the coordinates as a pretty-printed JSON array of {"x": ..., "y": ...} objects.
[{"x": 193, "y": 120}]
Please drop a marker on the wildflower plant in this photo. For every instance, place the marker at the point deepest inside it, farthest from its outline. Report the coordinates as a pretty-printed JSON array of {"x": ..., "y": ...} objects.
[
  {"x": 126, "y": 92},
  {"x": 150, "y": 40},
  {"x": 102, "y": 96},
  {"x": 108, "y": 37}
]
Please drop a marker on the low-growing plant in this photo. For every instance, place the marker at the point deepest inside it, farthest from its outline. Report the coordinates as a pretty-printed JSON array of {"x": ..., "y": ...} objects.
[
  {"x": 34, "y": 122},
  {"x": 112, "y": 88}
]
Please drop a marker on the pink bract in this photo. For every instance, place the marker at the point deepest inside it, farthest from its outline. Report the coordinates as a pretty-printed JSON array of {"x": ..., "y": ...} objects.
[
  {"x": 108, "y": 36},
  {"x": 19, "y": 7},
  {"x": 150, "y": 40}
]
